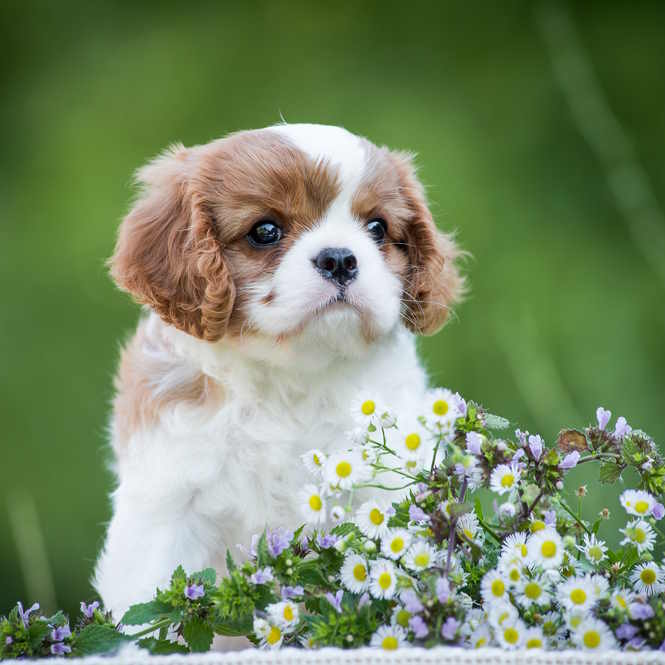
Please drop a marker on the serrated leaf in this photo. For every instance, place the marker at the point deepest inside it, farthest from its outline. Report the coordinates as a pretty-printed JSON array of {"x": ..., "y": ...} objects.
[
  {"x": 496, "y": 422},
  {"x": 198, "y": 635},
  {"x": 230, "y": 563},
  {"x": 344, "y": 529},
  {"x": 609, "y": 472},
  {"x": 37, "y": 632},
  {"x": 235, "y": 628},
  {"x": 161, "y": 647},
  {"x": 58, "y": 619},
  {"x": 142, "y": 613},
  {"x": 262, "y": 554},
  {"x": 207, "y": 575},
  {"x": 98, "y": 639},
  {"x": 179, "y": 575}
]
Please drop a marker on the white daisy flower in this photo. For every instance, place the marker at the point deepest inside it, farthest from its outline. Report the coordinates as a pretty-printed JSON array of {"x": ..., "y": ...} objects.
[
  {"x": 577, "y": 594},
  {"x": 400, "y": 616},
  {"x": 536, "y": 524},
  {"x": 593, "y": 549},
  {"x": 284, "y": 615},
  {"x": 395, "y": 543},
  {"x": 512, "y": 568},
  {"x": 648, "y": 578},
  {"x": 637, "y": 502},
  {"x": 420, "y": 556},
  {"x": 545, "y": 549},
  {"x": 594, "y": 635},
  {"x": 534, "y": 638},
  {"x": 383, "y": 579},
  {"x": 639, "y": 533},
  {"x": 441, "y": 408},
  {"x": 600, "y": 585},
  {"x": 551, "y": 622},
  {"x": 314, "y": 460},
  {"x": 312, "y": 504},
  {"x": 621, "y": 599},
  {"x": 343, "y": 469},
  {"x": 504, "y": 478},
  {"x": 511, "y": 634},
  {"x": 337, "y": 513},
  {"x": 533, "y": 591},
  {"x": 574, "y": 619},
  {"x": 270, "y": 636},
  {"x": 371, "y": 519},
  {"x": 468, "y": 526},
  {"x": 480, "y": 637},
  {"x": 354, "y": 573},
  {"x": 411, "y": 441},
  {"x": 514, "y": 545},
  {"x": 366, "y": 409},
  {"x": 500, "y": 613},
  {"x": 494, "y": 588},
  {"x": 389, "y": 638}
]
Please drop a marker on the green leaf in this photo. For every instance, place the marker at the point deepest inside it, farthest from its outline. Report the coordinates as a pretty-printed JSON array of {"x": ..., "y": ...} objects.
[
  {"x": 344, "y": 529},
  {"x": 179, "y": 575},
  {"x": 496, "y": 422},
  {"x": 310, "y": 573},
  {"x": 198, "y": 634},
  {"x": 208, "y": 575},
  {"x": 459, "y": 509},
  {"x": 37, "y": 632},
  {"x": 230, "y": 563},
  {"x": 609, "y": 472},
  {"x": 161, "y": 647},
  {"x": 242, "y": 626},
  {"x": 262, "y": 554},
  {"x": 98, "y": 638},
  {"x": 479, "y": 509},
  {"x": 145, "y": 613}
]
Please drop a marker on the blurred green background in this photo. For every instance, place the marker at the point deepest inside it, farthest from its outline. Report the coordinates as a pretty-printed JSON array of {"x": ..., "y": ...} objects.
[{"x": 562, "y": 216}]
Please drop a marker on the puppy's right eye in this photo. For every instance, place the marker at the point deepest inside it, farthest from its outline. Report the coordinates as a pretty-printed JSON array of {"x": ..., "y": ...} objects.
[{"x": 264, "y": 233}]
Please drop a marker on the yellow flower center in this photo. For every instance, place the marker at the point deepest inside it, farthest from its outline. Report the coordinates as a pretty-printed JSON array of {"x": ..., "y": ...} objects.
[
  {"x": 648, "y": 576},
  {"x": 591, "y": 639},
  {"x": 503, "y": 617},
  {"x": 389, "y": 643},
  {"x": 508, "y": 480},
  {"x": 498, "y": 588},
  {"x": 376, "y": 516},
  {"x": 536, "y": 525},
  {"x": 481, "y": 642},
  {"x": 385, "y": 580},
  {"x": 360, "y": 572},
  {"x": 343, "y": 469},
  {"x": 523, "y": 550},
  {"x": 639, "y": 536},
  {"x": 548, "y": 549},
  {"x": 421, "y": 559},
  {"x": 621, "y": 602},
  {"x": 315, "y": 502},
  {"x": 595, "y": 553},
  {"x": 288, "y": 612},
  {"x": 397, "y": 544},
  {"x": 578, "y": 596},
  {"x": 469, "y": 534},
  {"x": 368, "y": 407},
  {"x": 316, "y": 459},
  {"x": 575, "y": 621},
  {"x": 440, "y": 407},
  {"x": 532, "y": 591},
  {"x": 274, "y": 635},
  {"x": 411, "y": 464},
  {"x": 534, "y": 643},
  {"x": 412, "y": 441},
  {"x": 511, "y": 635},
  {"x": 402, "y": 618},
  {"x": 514, "y": 575},
  {"x": 641, "y": 507}
]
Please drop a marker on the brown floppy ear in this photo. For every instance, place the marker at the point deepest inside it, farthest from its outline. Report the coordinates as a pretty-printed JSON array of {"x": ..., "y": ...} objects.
[
  {"x": 433, "y": 283},
  {"x": 167, "y": 254}
]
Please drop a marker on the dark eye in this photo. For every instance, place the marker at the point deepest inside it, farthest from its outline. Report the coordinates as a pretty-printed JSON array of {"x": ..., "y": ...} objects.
[
  {"x": 264, "y": 233},
  {"x": 377, "y": 228}
]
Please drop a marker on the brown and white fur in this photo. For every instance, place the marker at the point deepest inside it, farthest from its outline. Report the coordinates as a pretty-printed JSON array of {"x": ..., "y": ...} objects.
[{"x": 247, "y": 357}]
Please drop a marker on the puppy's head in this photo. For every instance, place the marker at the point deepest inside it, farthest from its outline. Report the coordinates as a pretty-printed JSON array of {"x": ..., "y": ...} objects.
[{"x": 291, "y": 232}]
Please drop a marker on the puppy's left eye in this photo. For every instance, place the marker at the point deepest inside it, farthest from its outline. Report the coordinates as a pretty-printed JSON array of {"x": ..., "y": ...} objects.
[
  {"x": 264, "y": 234},
  {"x": 377, "y": 228}
]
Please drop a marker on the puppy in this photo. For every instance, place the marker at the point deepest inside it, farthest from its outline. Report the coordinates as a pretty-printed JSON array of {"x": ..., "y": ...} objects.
[{"x": 282, "y": 270}]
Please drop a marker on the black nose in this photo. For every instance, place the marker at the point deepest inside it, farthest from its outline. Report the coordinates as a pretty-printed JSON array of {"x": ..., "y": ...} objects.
[{"x": 338, "y": 264}]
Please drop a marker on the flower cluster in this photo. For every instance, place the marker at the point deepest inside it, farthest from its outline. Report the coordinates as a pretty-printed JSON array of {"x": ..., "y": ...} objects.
[{"x": 440, "y": 527}]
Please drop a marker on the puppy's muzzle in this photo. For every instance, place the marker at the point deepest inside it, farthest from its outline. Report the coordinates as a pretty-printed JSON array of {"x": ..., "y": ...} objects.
[{"x": 337, "y": 264}]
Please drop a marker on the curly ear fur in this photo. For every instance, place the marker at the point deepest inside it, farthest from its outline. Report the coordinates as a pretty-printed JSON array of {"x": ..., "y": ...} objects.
[
  {"x": 167, "y": 254},
  {"x": 433, "y": 283}
]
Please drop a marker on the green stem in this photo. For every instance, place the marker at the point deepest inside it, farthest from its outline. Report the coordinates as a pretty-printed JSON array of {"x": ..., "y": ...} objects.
[
  {"x": 572, "y": 514},
  {"x": 164, "y": 623},
  {"x": 489, "y": 530},
  {"x": 383, "y": 487},
  {"x": 380, "y": 467},
  {"x": 598, "y": 456}
]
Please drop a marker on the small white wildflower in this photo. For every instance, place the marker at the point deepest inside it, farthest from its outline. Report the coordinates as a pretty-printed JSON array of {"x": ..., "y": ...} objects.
[
  {"x": 420, "y": 556},
  {"x": 314, "y": 460},
  {"x": 284, "y": 615},
  {"x": 343, "y": 469},
  {"x": 511, "y": 634},
  {"x": 637, "y": 502},
  {"x": 534, "y": 638},
  {"x": 383, "y": 579},
  {"x": 545, "y": 548},
  {"x": 648, "y": 578},
  {"x": 494, "y": 588},
  {"x": 593, "y": 549},
  {"x": 639, "y": 533},
  {"x": 395, "y": 543},
  {"x": 504, "y": 478},
  {"x": 337, "y": 513},
  {"x": 577, "y": 594},
  {"x": 594, "y": 635},
  {"x": 372, "y": 519},
  {"x": 389, "y": 638},
  {"x": 312, "y": 504},
  {"x": 270, "y": 636},
  {"x": 354, "y": 573}
]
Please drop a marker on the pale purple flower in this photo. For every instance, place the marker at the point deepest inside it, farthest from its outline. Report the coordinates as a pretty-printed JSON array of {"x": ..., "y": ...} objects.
[
  {"x": 389, "y": 511},
  {"x": 411, "y": 601},
  {"x": 603, "y": 417},
  {"x": 622, "y": 428},
  {"x": 8, "y": 640},
  {"x": 460, "y": 404},
  {"x": 262, "y": 575},
  {"x": 626, "y": 631},
  {"x": 194, "y": 591},
  {"x": 60, "y": 633},
  {"x": 278, "y": 540},
  {"x": 662, "y": 646},
  {"x": 521, "y": 437},
  {"x": 636, "y": 643},
  {"x": 327, "y": 541},
  {"x": 417, "y": 514},
  {"x": 25, "y": 615},
  {"x": 443, "y": 590},
  {"x": 88, "y": 611},
  {"x": 570, "y": 460},
  {"x": 640, "y": 611},
  {"x": 290, "y": 592},
  {"x": 536, "y": 446},
  {"x": 59, "y": 649},
  {"x": 363, "y": 600},
  {"x": 473, "y": 442},
  {"x": 253, "y": 545},
  {"x": 658, "y": 511},
  {"x": 519, "y": 453},
  {"x": 419, "y": 627},
  {"x": 449, "y": 628},
  {"x": 550, "y": 518},
  {"x": 336, "y": 600}
]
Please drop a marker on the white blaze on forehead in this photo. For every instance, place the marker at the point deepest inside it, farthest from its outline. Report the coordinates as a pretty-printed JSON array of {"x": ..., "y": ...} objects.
[{"x": 335, "y": 145}]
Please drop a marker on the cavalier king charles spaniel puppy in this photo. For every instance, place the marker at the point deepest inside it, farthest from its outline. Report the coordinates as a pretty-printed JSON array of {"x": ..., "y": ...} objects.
[{"x": 282, "y": 270}]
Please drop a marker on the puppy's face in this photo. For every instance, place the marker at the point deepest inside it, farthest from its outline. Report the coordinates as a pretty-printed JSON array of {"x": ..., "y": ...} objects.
[{"x": 289, "y": 233}]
